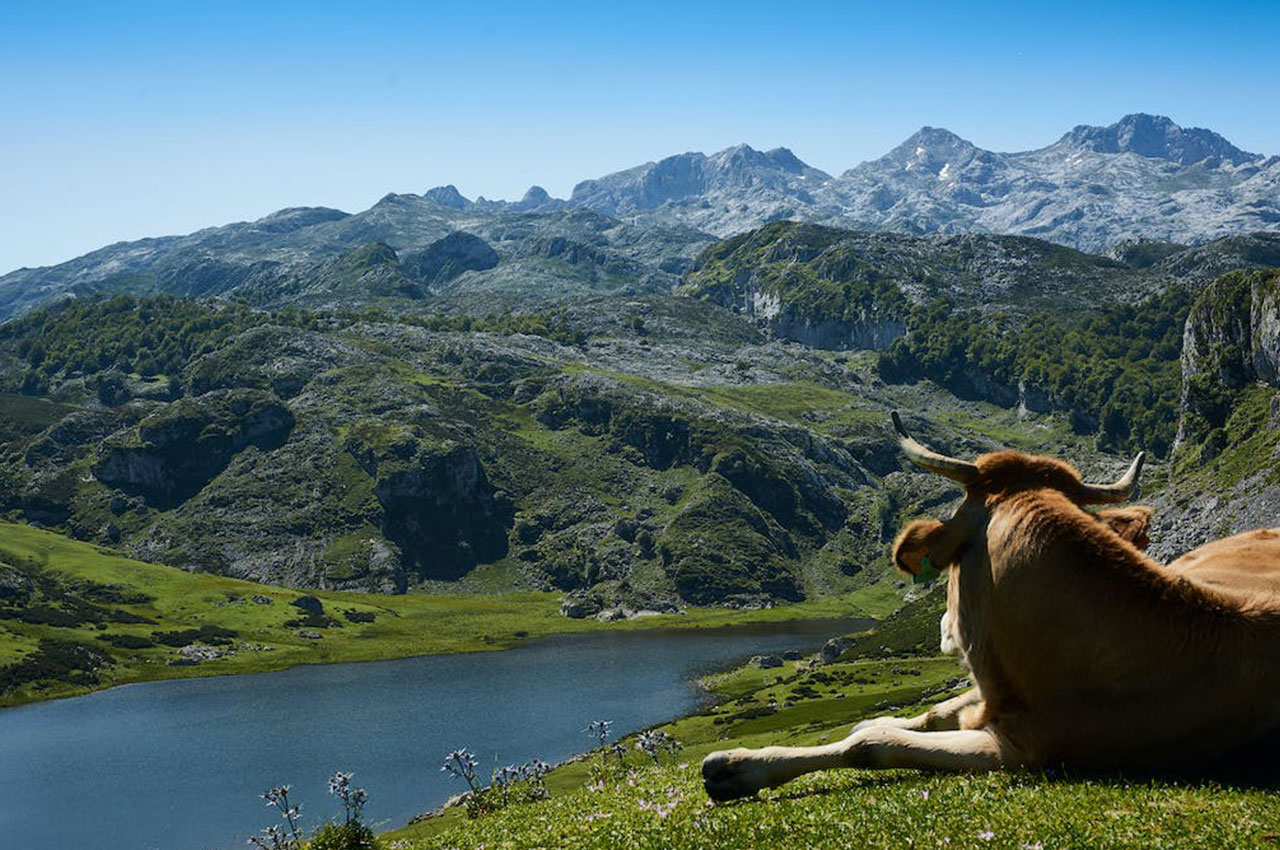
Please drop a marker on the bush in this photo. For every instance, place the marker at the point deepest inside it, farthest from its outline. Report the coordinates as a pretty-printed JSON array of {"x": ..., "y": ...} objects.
[
  {"x": 127, "y": 641},
  {"x": 212, "y": 635},
  {"x": 352, "y": 835},
  {"x": 60, "y": 660}
]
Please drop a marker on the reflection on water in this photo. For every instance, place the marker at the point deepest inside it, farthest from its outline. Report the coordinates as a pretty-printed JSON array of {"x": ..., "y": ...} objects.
[{"x": 178, "y": 765}]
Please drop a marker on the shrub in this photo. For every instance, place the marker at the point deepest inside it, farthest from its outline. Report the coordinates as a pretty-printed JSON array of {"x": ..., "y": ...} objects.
[
  {"x": 344, "y": 836},
  {"x": 212, "y": 635},
  {"x": 127, "y": 641}
]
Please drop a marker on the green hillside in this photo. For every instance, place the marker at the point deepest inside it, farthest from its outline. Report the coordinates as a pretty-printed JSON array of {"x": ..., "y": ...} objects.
[{"x": 76, "y": 617}]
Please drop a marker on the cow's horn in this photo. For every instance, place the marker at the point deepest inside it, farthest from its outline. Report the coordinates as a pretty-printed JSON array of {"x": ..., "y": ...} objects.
[
  {"x": 956, "y": 470},
  {"x": 1119, "y": 491}
]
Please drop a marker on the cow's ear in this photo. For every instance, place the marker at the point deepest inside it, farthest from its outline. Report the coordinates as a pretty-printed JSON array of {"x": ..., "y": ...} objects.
[
  {"x": 911, "y": 550},
  {"x": 1132, "y": 523}
]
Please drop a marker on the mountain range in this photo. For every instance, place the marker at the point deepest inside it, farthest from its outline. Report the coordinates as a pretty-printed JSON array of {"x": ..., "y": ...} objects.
[{"x": 1142, "y": 179}]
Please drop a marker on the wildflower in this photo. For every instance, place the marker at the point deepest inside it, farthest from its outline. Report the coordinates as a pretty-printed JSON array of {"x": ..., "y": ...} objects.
[
  {"x": 986, "y": 835},
  {"x": 654, "y": 741},
  {"x": 1037, "y": 846},
  {"x": 924, "y": 795},
  {"x": 504, "y": 776},
  {"x": 461, "y": 764},
  {"x": 599, "y": 729},
  {"x": 534, "y": 769},
  {"x": 273, "y": 837}
]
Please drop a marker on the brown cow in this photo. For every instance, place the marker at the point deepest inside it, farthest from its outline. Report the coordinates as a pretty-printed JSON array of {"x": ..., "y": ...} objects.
[{"x": 1083, "y": 651}]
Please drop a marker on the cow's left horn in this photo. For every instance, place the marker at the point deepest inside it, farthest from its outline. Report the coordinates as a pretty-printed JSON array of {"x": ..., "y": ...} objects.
[
  {"x": 926, "y": 458},
  {"x": 1122, "y": 489}
]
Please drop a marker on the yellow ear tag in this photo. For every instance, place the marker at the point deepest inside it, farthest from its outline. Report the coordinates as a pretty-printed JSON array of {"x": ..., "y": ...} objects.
[{"x": 928, "y": 572}]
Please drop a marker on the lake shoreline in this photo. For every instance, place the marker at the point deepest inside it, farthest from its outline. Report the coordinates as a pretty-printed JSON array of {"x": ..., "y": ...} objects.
[
  {"x": 390, "y": 723},
  {"x": 392, "y": 626},
  {"x": 719, "y": 624}
]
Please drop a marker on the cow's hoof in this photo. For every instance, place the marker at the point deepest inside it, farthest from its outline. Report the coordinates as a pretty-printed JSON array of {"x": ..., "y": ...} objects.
[{"x": 727, "y": 775}]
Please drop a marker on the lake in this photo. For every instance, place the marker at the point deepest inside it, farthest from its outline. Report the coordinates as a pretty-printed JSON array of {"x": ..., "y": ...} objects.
[{"x": 180, "y": 765}]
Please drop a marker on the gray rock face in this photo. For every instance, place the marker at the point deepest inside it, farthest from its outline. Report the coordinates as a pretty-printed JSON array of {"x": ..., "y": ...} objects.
[
  {"x": 725, "y": 192},
  {"x": 447, "y": 196},
  {"x": 309, "y": 604},
  {"x": 1231, "y": 340},
  {"x": 875, "y": 334},
  {"x": 1157, "y": 137},
  {"x": 834, "y": 648},
  {"x": 437, "y": 503},
  {"x": 175, "y": 452},
  {"x": 447, "y": 258},
  {"x": 1143, "y": 177}
]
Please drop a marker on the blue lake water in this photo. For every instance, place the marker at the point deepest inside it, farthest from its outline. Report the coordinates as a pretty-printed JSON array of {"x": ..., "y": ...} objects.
[{"x": 179, "y": 765}]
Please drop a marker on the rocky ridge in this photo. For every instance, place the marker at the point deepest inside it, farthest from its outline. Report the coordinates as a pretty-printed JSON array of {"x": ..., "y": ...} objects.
[{"x": 1143, "y": 179}]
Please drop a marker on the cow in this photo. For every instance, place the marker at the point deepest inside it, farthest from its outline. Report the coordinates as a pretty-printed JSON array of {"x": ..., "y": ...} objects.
[{"x": 1083, "y": 651}]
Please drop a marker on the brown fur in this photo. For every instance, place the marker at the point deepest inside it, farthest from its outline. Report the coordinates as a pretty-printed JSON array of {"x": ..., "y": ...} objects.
[
  {"x": 1083, "y": 650},
  {"x": 1076, "y": 638},
  {"x": 1131, "y": 523}
]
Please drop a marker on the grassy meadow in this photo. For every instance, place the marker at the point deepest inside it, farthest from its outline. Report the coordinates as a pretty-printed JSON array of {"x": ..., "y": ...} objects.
[{"x": 58, "y": 595}]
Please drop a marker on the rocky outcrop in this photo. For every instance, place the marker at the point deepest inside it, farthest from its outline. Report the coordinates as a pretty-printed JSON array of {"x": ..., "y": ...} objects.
[
  {"x": 1231, "y": 340},
  {"x": 447, "y": 258},
  {"x": 447, "y": 196},
  {"x": 174, "y": 453},
  {"x": 787, "y": 472},
  {"x": 1156, "y": 137},
  {"x": 438, "y": 506},
  {"x": 282, "y": 360},
  {"x": 875, "y": 334}
]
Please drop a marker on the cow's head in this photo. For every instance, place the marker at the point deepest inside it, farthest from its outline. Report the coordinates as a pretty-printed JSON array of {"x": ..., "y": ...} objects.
[{"x": 926, "y": 547}]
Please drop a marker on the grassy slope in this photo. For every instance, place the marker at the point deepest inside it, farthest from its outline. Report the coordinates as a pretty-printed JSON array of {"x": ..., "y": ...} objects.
[
  {"x": 890, "y": 809},
  {"x": 856, "y": 808},
  {"x": 403, "y": 626}
]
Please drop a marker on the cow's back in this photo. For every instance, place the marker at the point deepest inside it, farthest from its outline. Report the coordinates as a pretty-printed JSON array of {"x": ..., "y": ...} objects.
[{"x": 1245, "y": 567}]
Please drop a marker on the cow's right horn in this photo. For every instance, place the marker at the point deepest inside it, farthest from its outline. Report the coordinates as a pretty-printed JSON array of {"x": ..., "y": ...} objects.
[
  {"x": 957, "y": 470},
  {"x": 1118, "y": 491}
]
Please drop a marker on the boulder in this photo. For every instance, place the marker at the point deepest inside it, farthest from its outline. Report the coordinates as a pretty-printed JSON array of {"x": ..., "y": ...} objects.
[
  {"x": 307, "y": 603},
  {"x": 836, "y": 647}
]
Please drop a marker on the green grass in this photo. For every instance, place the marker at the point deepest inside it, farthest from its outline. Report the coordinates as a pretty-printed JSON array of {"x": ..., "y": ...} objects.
[
  {"x": 1249, "y": 445},
  {"x": 793, "y": 401},
  {"x": 891, "y": 809},
  {"x": 413, "y": 624},
  {"x": 854, "y": 808},
  {"x": 25, "y": 415}
]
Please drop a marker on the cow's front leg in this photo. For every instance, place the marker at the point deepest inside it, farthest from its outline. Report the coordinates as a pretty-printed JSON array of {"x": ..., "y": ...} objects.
[
  {"x": 740, "y": 773},
  {"x": 946, "y": 716}
]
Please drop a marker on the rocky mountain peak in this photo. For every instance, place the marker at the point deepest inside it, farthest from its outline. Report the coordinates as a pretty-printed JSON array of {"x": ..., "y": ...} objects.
[
  {"x": 930, "y": 150},
  {"x": 447, "y": 196},
  {"x": 536, "y": 196},
  {"x": 291, "y": 219},
  {"x": 1157, "y": 137},
  {"x": 741, "y": 158}
]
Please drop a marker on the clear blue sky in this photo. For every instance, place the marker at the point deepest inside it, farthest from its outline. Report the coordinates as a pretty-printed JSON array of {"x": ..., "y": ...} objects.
[{"x": 123, "y": 120}]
